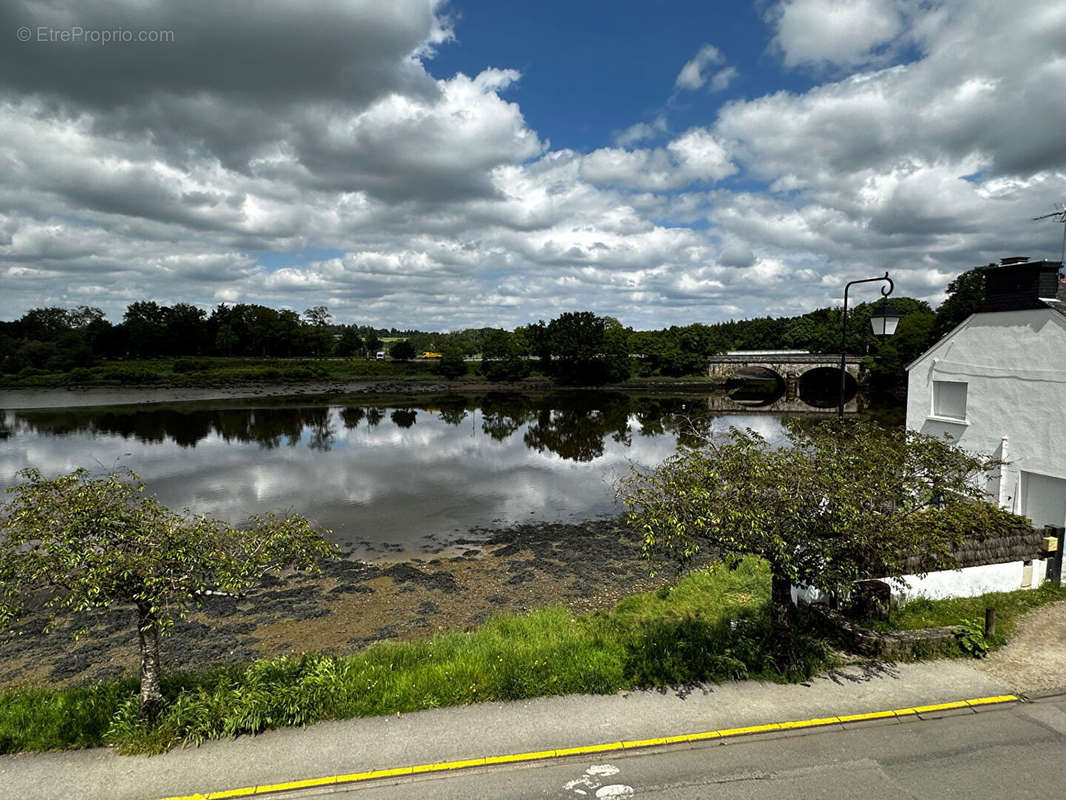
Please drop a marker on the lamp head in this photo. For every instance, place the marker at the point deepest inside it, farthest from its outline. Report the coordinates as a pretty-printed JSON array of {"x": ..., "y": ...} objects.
[{"x": 885, "y": 320}]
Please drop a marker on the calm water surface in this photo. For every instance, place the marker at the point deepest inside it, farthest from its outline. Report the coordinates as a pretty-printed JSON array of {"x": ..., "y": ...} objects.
[{"x": 401, "y": 478}]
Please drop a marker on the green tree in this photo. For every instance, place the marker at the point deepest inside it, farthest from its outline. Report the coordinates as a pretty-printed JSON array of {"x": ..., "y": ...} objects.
[
  {"x": 185, "y": 329},
  {"x": 614, "y": 353},
  {"x": 452, "y": 365},
  {"x": 350, "y": 343},
  {"x": 966, "y": 295},
  {"x": 145, "y": 323},
  {"x": 502, "y": 357},
  {"x": 835, "y": 502},
  {"x": 588, "y": 349},
  {"x": 402, "y": 351},
  {"x": 317, "y": 332},
  {"x": 318, "y": 316},
  {"x": 538, "y": 342},
  {"x": 96, "y": 543},
  {"x": 226, "y": 341}
]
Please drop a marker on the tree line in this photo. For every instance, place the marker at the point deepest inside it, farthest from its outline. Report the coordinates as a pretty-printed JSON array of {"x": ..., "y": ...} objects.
[{"x": 575, "y": 347}]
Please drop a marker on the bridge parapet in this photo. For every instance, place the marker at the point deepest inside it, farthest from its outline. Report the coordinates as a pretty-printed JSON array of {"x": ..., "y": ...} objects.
[{"x": 790, "y": 367}]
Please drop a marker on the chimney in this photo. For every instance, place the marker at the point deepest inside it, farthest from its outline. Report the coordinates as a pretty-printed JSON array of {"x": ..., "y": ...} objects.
[{"x": 1018, "y": 284}]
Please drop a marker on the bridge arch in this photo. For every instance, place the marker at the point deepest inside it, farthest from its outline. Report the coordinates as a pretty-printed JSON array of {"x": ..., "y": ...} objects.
[
  {"x": 820, "y": 387},
  {"x": 795, "y": 368},
  {"x": 756, "y": 386}
]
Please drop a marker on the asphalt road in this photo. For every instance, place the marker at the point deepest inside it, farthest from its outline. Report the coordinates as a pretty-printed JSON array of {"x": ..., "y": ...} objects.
[{"x": 1018, "y": 751}]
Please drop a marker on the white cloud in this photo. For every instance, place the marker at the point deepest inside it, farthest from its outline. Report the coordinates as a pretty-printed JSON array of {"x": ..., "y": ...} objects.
[
  {"x": 693, "y": 74},
  {"x": 445, "y": 208},
  {"x": 837, "y": 32},
  {"x": 722, "y": 78},
  {"x": 700, "y": 155},
  {"x": 693, "y": 157},
  {"x": 641, "y": 131}
]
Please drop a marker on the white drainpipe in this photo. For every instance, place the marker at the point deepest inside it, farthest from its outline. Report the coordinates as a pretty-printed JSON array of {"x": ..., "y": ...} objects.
[{"x": 1003, "y": 496}]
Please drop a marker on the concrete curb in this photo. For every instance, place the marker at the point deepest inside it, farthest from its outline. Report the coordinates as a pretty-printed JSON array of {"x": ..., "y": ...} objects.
[{"x": 540, "y": 755}]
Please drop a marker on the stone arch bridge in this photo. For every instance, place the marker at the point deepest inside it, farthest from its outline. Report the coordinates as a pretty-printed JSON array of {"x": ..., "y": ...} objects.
[{"x": 789, "y": 366}]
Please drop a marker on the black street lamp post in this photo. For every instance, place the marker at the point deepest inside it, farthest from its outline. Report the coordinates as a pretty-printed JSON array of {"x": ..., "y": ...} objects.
[{"x": 883, "y": 321}]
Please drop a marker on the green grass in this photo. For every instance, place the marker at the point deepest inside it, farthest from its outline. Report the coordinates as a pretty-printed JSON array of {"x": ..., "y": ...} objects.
[
  {"x": 923, "y": 613},
  {"x": 216, "y": 371},
  {"x": 711, "y": 626},
  {"x": 53, "y": 719}
]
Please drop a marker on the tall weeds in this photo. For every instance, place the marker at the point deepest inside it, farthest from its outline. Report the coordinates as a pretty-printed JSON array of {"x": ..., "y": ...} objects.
[{"x": 711, "y": 627}]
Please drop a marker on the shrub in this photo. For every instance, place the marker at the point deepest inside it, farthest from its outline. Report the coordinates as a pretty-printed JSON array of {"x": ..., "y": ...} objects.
[
  {"x": 506, "y": 369},
  {"x": 452, "y": 365},
  {"x": 183, "y": 365}
]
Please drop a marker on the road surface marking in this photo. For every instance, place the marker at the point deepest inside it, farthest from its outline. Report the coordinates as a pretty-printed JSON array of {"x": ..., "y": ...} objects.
[
  {"x": 592, "y": 781},
  {"x": 358, "y": 777}
]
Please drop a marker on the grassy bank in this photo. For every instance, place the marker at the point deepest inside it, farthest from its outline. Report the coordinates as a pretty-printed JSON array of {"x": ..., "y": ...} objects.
[
  {"x": 710, "y": 627},
  {"x": 1009, "y": 606}
]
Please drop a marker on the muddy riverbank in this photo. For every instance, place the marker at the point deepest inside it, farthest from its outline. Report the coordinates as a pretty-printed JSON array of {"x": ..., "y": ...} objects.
[{"x": 584, "y": 566}]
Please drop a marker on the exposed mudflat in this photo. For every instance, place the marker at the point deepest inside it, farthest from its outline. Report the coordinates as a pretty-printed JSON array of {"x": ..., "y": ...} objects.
[
  {"x": 74, "y": 396},
  {"x": 351, "y": 604},
  {"x": 84, "y": 396}
]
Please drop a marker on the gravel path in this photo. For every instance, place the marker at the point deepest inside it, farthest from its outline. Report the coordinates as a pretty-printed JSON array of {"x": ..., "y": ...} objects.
[{"x": 1035, "y": 659}]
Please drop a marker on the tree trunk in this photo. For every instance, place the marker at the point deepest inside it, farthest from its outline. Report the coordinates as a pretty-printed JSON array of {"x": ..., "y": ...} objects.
[
  {"x": 780, "y": 608},
  {"x": 151, "y": 665}
]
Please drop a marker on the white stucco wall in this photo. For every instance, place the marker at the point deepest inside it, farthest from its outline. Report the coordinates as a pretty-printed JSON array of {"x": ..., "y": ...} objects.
[
  {"x": 968, "y": 582},
  {"x": 971, "y": 581},
  {"x": 1014, "y": 365}
]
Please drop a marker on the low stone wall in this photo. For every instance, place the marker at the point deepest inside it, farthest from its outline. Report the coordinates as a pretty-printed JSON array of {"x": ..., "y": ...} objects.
[{"x": 894, "y": 645}]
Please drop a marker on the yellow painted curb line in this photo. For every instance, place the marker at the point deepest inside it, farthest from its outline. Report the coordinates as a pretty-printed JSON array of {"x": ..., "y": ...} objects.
[{"x": 726, "y": 733}]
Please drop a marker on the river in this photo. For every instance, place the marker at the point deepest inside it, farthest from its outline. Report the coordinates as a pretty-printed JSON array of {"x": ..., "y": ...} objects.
[{"x": 393, "y": 479}]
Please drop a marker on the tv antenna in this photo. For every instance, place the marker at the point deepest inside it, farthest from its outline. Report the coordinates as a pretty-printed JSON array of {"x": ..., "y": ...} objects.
[{"x": 1058, "y": 215}]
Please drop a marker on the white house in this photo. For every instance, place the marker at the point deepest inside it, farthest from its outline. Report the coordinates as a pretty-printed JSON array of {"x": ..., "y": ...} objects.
[{"x": 997, "y": 385}]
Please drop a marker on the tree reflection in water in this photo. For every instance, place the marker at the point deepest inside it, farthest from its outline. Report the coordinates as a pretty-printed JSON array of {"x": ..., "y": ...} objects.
[
  {"x": 572, "y": 425},
  {"x": 404, "y": 417}
]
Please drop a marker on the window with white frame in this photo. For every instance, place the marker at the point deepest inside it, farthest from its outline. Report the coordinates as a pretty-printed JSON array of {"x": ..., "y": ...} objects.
[{"x": 949, "y": 399}]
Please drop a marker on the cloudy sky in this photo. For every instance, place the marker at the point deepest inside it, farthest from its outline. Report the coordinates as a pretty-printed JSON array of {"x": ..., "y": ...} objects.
[{"x": 450, "y": 164}]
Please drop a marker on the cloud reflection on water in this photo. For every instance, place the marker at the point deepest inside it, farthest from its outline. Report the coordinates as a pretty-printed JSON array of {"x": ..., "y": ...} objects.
[{"x": 374, "y": 475}]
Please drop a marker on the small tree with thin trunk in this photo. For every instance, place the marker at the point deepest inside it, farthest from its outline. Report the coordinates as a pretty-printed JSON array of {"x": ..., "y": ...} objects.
[
  {"x": 99, "y": 543},
  {"x": 823, "y": 509}
]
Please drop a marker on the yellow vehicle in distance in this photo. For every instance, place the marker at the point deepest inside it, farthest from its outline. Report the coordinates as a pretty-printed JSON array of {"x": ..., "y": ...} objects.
[{"x": 432, "y": 355}]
